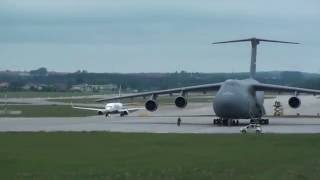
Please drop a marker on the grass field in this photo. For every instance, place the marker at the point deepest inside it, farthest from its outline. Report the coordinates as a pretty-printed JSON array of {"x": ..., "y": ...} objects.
[
  {"x": 45, "y": 111},
  {"x": 11, "y": 103},
  {"x": 74, "y": 100},
  {"x": 158, "y": 156},
  {"x": 34, "y": 94}
]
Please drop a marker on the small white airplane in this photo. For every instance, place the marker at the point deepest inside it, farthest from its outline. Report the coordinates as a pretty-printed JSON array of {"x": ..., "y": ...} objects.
[{"x": 111, "y": 108}]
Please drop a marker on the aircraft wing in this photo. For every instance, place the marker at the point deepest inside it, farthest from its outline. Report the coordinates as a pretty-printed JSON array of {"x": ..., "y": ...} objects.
[
  {"x": 205, "y": 87},
  {"x": 288, "y": 89},
  {"x": 134, "y": 109},
  {"x": 87, "y": 108}
]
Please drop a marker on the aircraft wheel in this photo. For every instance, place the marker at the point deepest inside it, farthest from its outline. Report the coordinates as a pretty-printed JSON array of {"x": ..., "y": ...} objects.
[
  {"x": 264, "y": 121},
  {"x": 225, "y": 122},
  {"x": 234, "y": 122}
]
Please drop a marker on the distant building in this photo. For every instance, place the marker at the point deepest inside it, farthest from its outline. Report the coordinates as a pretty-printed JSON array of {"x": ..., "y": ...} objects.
[
  {"x": 23, "y": 73},
  {"x": 60, "y": 87},
  {"x": 93, "y": 88},
  {"x": 80, "y": 87},
  {"x": 4, "y": 85},
  {"x": 32, "y": 86},
  {"x": 105, "y": 87},
  {"x": 27, "y": 87}
]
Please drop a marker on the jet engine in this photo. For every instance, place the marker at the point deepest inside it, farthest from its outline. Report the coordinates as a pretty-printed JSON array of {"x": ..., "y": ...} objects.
[
  {"x": 294, "y": 102},
  {"x": 100, "y": 113},
  {"x": 124, "y": 113},
  {"x": 151, "y": 105},
  {"x": 181, "y": 102}
]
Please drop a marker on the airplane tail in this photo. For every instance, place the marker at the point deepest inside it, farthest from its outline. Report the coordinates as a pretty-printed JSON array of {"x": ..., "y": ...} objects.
[
  {"x": 5, "y": 103},
  {"x": 119, "y": 93},
  {"x": 254, "y": 44}
]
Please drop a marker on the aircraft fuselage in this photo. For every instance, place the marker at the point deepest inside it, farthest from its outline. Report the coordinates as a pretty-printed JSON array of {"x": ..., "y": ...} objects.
[{"x": 236, "y": 99}]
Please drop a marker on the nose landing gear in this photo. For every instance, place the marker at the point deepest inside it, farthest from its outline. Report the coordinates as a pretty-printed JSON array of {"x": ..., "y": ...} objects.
[
  {"x": 107, "y": 115},
  {"x": 226, "y": 122},
  {"x": 259, "y": 121}
]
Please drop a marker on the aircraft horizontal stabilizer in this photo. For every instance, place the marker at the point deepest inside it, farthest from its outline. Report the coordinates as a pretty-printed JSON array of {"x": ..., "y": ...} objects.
[
  {"x": 254, "y": 43},
  {"x": 257, "y": 40}
]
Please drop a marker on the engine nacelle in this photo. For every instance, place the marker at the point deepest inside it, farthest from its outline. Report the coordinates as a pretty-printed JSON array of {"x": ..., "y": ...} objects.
[
  {"x": 294, "y": 102},
  {"x": 151, "y": 105},
  {"x": 181, "y": 102},
  {"x": 100, "y": 113},
  {"x": 124, "y": 113}
]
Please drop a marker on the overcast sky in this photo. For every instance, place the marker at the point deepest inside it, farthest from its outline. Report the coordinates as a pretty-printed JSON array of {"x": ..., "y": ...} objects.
[{"x": 157, "y": 36}]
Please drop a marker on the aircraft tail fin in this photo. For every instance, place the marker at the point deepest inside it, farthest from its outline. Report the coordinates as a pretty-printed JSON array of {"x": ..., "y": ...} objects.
[
  {"x": 254, "y": 44},
  {"x": 119, "y": 93}
]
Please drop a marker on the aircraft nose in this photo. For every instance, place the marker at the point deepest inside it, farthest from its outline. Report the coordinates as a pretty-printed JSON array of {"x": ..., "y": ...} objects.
[{"x": 231, "y": 106}]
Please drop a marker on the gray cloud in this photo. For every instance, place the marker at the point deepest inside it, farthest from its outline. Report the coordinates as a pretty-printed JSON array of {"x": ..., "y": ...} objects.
[{"x": 102, "y": 36}]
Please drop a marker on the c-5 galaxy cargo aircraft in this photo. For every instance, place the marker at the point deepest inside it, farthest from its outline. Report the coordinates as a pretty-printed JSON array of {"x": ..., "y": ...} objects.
[{"x": 235, "y": 99}]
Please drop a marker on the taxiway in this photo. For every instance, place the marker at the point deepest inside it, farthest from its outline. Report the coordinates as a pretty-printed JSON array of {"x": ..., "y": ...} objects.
[{"x": 196, "y": 118}]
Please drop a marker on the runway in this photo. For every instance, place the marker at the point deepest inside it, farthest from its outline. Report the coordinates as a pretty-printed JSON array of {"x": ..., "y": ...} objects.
[
  {"x": 164, "y": 121},
  {"x": 151, "y": 125}
]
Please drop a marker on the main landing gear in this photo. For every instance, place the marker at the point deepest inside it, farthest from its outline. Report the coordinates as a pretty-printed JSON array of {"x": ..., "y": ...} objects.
[
  {"x": 234, "y": 122},
  {"x": 226, "y": 122},
  {"x": 259, "y": 121},
  {"x": 123, "y": 114}
]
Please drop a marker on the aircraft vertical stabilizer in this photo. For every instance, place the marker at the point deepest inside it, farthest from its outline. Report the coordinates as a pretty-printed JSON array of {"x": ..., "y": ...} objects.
[{"x": 254, "y": 44}]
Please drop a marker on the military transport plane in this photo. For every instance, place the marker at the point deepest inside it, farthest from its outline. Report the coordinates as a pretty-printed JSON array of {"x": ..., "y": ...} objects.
[
  {"x": 111, "y": 108},
  {"x": 235, "y": 99}
]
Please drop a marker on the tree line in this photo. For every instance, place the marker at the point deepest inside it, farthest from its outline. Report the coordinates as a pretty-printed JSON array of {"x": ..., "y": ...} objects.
[{"x": 152, "y": 81}]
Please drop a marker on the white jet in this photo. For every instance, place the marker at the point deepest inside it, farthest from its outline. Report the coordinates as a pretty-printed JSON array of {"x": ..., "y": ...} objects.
[{"x": 111, "y": 108}]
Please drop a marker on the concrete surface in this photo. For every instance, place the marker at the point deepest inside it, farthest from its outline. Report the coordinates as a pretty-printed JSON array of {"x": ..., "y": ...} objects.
[{"x": 164, "y": 120}]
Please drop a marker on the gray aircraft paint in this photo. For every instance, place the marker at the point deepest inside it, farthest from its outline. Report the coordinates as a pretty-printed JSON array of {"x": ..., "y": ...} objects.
[{"x": 235, "y": 99}]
